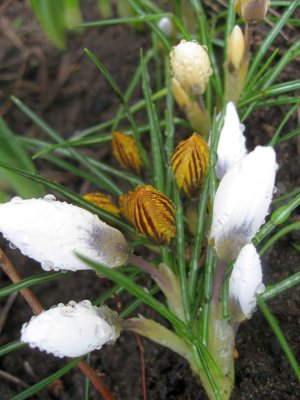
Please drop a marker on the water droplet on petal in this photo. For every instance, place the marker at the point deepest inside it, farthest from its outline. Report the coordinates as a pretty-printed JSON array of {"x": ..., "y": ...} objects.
[
  {"x": 16, "y": 200},
  {"x": 50, "y": 197},
  {"x": 260, "y": 288},
  {"x": 12, "y": 246}
]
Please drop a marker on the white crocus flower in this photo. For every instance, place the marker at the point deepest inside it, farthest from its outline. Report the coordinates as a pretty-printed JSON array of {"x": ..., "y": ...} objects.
[
  {"x": 51, "y": 231},
  {"x": 72, "y": 330},
  {"x": 231, "y": 147},
  {"x": 191, "y": 67},
  {"x": 242, "y": 202},
  {"x": 245, "y": 282}
]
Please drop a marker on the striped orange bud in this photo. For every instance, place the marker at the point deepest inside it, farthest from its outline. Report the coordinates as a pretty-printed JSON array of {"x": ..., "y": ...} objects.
[
  {"x": 102, "y": 201},
  {"x": 151, "y": 212},
  {"x": 125, "y": 150},
  {"x": 189, "y": 164}
]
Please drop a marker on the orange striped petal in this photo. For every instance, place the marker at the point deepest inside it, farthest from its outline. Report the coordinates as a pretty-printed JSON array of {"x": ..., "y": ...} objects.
[
  {"x": 189, "y": 164},
  {"x": 151, "y": 212},
  {"x": 102, "y": 201},
  {"x": 126, "y": 152}
]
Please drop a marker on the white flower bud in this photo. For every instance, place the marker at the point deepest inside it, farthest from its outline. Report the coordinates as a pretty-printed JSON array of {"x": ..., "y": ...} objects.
[
  {"x": 72, "y": 330},
  {"x": 51, "y": 231},
  {"x": 231, "y": 147},
  {"x": 242, "y": 202},
  {"x": 236, "y": 48},
  {"x": 191, "y": 67},
  {"x": 245, "y": 282}
]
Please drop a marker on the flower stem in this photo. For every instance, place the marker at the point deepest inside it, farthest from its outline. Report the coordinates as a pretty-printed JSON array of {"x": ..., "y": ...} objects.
[
  {"x": 217, "y": 285},
  {"x": 155, "y": 274}
]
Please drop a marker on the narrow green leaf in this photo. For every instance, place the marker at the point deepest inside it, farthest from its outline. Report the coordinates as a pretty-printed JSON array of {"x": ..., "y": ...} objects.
[
  {"x": 278, "y": 235},
  {"x": 103, "y": 180},
  {"x": 282, "y": 124},
  {"x": 266, "y": 44},
  {"x": 73, "y": 197},
  {"x": 180, "y": 246},
  {"x": 280, "y": 287},
  {"x": 279, "y": 335},
  {"x": 119, "y": 93},
  {"x": 155, "y": 134},
  {"x": 12, "y": 152},
  {"x": 136, "y": 290},
  {"x": 51, "y": 16},
  {"x": 45, "y": 382},
  {"x": 127, "y": 20},
  {"x": 10, "y": 347},
  {"x": 30, "y": 281}
]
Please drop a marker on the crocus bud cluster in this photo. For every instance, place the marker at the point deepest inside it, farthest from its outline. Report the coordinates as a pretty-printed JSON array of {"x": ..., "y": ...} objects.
[
  {"x": 151, "y": 212},
  {"x": 72, "y": 330},
  {"x": 51, "y": 232}
]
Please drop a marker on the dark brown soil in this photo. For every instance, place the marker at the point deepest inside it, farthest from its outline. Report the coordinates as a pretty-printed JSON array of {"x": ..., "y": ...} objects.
[{"x": 70, "y": 94}]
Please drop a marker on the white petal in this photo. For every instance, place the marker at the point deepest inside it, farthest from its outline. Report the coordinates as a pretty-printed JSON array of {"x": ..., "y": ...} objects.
[
  {"x": 242, "y": 202},
  {"x": 71, "y": 330},
  {"x": 245, "y": 282},
  {"x": 231, "y": 147},
  {"x": 51, "y": 231}
]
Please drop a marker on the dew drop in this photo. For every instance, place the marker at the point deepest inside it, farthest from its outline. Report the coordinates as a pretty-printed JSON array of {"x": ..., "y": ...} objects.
[
  {"x": 16, "y": 200},
  {"x": 260, "y": 288},
  {"x": 12, "y": 246},
  {"x": 47, "y": 265},
  {"x": 49, "y": 197}
]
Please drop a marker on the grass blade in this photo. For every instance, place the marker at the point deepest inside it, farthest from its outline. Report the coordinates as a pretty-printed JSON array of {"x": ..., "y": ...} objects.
[
  {"x": 119, "y": 93},
  {"x": 155, "y": 134},
  {"x": 31, "y": 281},
  {"x": 264, "y": 47},
  {"x": 75, "y": 198},
  {"x": 279, "y": 335},
  {"x": 136, "y": 290}
]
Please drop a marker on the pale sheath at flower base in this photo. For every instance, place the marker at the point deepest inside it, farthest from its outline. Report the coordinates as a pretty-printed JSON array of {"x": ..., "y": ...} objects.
[
  {"x": 51, "y": 231},
  {"x": 245, "y": 282},
  {"x": 242, "y": 202},
  {"x": 231, "y": 147},
  {"x": 72, "y": 330}
]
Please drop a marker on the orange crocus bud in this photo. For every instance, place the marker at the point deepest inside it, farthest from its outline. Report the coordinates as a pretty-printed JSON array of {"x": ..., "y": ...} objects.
[
  {"x": 252, "y": 10},
  {"x": 190, "y": 163},
  {"x": 102, "y": 201},
  {"x": 125, "y": 150},
  {"x": 151, "y": 212}
]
